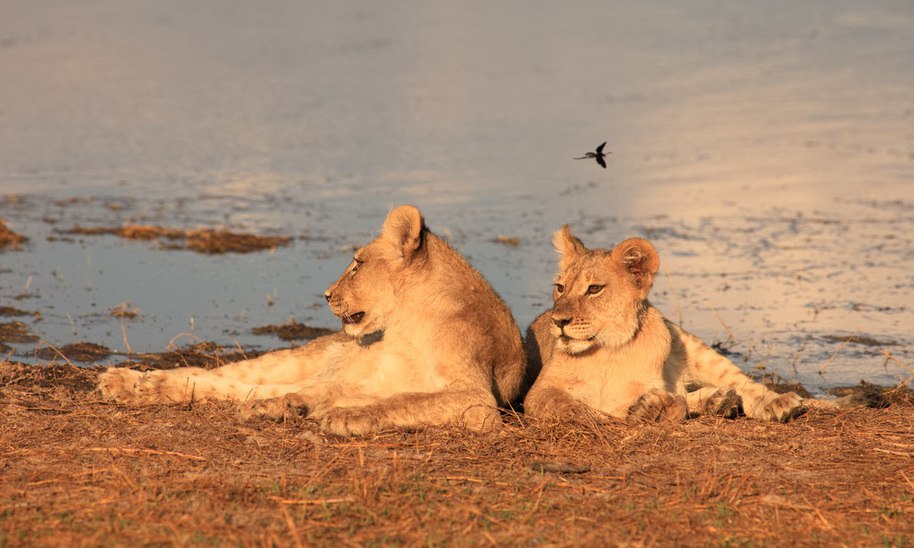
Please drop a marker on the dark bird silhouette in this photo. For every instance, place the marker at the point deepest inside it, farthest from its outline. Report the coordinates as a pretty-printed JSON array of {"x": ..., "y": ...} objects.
[{"x": 598, "y": 155}]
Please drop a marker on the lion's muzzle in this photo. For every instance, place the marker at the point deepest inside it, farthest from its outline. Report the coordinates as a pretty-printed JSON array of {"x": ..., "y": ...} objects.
[{"x": 352, "y": 319}]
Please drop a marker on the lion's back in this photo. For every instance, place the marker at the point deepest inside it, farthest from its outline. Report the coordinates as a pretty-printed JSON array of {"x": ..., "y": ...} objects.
[{"x": 470, "y": 316}]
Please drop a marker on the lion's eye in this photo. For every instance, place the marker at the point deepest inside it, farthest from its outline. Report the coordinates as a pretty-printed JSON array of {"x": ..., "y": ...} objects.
[
  {"x": 594, "y": 289},
  {"x": 559, "y": 288},
  {"x": 356, "y": 264}
]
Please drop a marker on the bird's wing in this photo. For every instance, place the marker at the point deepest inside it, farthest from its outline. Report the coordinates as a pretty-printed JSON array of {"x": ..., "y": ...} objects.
[
  {"x": 601, "y": 161},
  {"x": 600, "y": 148}
]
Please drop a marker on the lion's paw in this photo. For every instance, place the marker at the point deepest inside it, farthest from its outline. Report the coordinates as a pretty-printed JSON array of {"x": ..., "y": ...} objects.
[
  {"x": 119, "y": 384},
  {"x": 554, "y": 403},
  {"x": 273, "y": 408},
  {"x": 481, "y": 418},
  {"x": 724, "y": 403},
  {"x": 564, "y": 408},
  {"x": 778, "y": 407},
  {"x": 350, "y": 421},
  {"x": 657, "y": 406}
]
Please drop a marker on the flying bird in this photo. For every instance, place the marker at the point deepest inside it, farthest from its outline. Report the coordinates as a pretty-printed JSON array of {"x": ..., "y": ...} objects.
[{"x": 598, "y": 155}]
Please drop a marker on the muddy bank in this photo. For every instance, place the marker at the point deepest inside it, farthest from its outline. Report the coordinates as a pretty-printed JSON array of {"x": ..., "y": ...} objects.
[
  {"x": 202, "y": 354},
  {"x": 9, "y": 239},
  {"x": 292, "y": 331},
  {"x": 203, "y": 240}
]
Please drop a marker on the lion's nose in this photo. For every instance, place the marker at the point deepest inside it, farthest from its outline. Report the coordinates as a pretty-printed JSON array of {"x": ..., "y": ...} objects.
[
  {"x": 561, "y": 321},
  {"x": 328, "y": 295}
]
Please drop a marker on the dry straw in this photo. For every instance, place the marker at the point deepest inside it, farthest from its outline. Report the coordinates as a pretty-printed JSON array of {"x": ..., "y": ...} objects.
[{"x": 76, "y": 469}]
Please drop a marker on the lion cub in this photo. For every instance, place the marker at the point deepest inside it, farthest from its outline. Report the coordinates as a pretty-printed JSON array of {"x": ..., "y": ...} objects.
[
  {"x": 425, "y": 341},
  {"x": 604, "y": 347}
]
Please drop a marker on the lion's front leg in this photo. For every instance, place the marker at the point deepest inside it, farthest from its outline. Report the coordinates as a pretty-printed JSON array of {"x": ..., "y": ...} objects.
[
  {"x": 270, "y": 375},
  {"x": 128, "y": 386},
  {"x": 181, "y": 385},
  {"x": 471, "y": 409}
]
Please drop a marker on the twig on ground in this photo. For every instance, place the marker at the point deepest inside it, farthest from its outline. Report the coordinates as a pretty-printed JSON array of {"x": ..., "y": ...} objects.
[{"x": 132, "y": 451}]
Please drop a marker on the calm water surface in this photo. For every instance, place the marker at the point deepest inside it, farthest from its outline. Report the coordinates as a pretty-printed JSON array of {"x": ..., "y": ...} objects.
[{"x": 767, "y": 149}]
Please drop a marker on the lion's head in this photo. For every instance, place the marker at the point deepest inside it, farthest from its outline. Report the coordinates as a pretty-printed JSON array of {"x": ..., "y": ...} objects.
[
  {"x": 600, "y": 295},
  {"x": 365, "y": 295}
]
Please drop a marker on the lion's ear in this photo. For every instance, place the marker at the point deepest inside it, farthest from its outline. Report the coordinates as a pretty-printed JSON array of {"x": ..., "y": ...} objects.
[
  {"x": 640, "y": 259},
  {"x": 568, "y": 245},
  {"x": 403, "y": 228}
]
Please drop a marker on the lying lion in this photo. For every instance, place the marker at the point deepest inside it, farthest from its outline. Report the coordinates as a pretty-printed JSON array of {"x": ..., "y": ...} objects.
[
  {"x": 425, "y": 341},
  {"x": 604, "y": 348}
]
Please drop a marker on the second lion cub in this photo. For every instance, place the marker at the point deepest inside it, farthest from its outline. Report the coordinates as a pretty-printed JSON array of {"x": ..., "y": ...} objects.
[{"x": 604, "y": 348}]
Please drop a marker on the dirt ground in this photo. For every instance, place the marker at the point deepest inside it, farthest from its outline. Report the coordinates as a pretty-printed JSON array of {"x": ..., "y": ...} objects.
[{"x": 78, "y": 470}]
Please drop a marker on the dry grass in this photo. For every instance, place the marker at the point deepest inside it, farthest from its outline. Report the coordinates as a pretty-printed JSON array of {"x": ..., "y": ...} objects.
[{"x": 76, "y": 470}]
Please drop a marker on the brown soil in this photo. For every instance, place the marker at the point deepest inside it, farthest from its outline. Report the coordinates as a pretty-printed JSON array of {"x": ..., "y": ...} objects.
[
  {"x": 292, "y": 331},
  {"x": 84, "y": 352},
  {"x": 856, "y": 339},
  {"x": 75, "y": 469},
  {"x": 16, "y": 332},
  {"x": 204, "y": 240},
  {"x": 205, "y": 354},
  {"x": 9, "y": 239}
]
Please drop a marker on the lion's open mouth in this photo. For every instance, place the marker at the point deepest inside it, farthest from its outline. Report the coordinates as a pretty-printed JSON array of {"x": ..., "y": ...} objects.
[
  {"x": 568, "y": 338},
  {"x": 352, "y": 319}
]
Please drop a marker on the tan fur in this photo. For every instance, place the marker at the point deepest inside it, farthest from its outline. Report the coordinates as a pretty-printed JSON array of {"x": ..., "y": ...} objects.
[
  {"x": 604, "y": 346},
  {"x": 426, "y": 341}
]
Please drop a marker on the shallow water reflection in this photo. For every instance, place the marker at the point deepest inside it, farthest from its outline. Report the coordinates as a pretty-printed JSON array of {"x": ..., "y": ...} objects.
[{"x": 766, "y": 149}]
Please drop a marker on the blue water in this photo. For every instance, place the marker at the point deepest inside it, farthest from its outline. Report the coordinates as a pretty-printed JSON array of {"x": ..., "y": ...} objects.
[{"x": 766, "y": 148}]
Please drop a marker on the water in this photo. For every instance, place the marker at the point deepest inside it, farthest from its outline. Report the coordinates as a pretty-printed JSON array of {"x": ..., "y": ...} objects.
[{"x": 767, "y": 149}]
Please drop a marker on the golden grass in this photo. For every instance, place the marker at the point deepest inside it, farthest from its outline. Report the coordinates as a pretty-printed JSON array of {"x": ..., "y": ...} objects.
[{"x": 77, "y": 470}]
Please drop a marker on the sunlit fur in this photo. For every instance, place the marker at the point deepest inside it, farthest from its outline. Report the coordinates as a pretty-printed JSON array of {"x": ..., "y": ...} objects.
[
  {"x": 603, "y": 347},
  {"x": 425, "y": 341}
]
